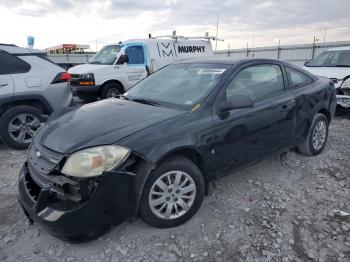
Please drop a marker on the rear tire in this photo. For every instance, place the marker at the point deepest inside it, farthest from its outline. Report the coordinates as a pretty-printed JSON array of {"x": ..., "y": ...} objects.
[
  {"x": 110, "y": 90},
  {"x": 316, "y": 139},
  {"x": 183, "y": 193},
  {"x": 18, "y": 126}
]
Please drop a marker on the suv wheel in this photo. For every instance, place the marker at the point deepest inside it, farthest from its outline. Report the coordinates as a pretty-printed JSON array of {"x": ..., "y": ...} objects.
[
  {"x": 111, "y": 90},
  {"x": 19, "y": 125},
  {"x": 173, "y": 193},
  {"x": 317, "y": 136}
]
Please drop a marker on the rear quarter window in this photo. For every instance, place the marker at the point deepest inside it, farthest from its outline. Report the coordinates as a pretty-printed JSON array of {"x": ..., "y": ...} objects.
[
  {"x": 297, "y": 79},
  {"x": 39, "y": 63},
  {"x": 10, "y": 64}
]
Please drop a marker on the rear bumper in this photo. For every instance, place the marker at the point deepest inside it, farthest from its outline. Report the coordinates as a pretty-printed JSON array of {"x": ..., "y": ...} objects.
[{"x": 108, "y": 205}]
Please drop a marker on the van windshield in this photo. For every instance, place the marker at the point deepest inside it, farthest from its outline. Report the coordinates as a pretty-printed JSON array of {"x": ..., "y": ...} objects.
[
  {"x": 179, "y": 86},
  {"x": 107, "y": 55},
  {"x": 332, "y": 59}
]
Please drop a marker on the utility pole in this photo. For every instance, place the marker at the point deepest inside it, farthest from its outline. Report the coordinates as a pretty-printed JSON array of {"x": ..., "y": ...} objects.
[
  {"x": 278, "y": 47},
  {"x": 253, "y": 45},
  {"x": 217, "y": 32},
  {"x": 314, "y": 46}
]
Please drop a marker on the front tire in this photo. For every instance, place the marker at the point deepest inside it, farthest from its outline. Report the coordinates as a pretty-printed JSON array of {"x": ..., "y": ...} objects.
[
  {"x": 110, "y": 90},
  {"x": 19, "y": 125},
  {"x": 316, "y": 139},
  {"x": 173, "y": 193}
]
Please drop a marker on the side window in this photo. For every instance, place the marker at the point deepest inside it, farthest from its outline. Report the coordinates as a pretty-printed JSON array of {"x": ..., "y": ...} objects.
[
  {"x": 296, "y": 78},
  {"x": 257, "y": 82},
  {"x": 135, "y": 54},
  {"x": 344, "y": 58},
  {"x": 10, "y": 64}
]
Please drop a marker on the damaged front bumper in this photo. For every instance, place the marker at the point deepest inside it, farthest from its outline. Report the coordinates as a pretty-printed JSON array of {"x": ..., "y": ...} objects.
[
  {"x": 343, "y": 97},
  {"x": 75, "y": 210},
  {"x": 343, "y": 100}
]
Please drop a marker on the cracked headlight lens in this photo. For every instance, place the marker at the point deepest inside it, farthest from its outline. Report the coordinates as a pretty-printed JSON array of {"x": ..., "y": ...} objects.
[{"x": 94, "y": 161}]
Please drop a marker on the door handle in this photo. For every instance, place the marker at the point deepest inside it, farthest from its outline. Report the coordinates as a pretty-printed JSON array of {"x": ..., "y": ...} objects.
[
  {"x": 3, "y": 84},
  {"x": 288, "y": 105}
]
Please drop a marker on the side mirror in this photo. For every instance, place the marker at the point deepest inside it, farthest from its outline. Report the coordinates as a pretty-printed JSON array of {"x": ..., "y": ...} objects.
[
  {"x": 235, "y": 102},
  {"x": 307, "y": 63},
  {"x": 123, "y": 59}
]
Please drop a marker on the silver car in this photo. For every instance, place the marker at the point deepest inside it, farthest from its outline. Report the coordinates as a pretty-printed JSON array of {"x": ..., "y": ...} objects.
[{"x": 31, "y": 88}]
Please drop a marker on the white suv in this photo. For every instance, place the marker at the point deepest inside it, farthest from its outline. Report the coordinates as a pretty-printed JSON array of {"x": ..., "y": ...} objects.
[
  {"x": 334, "y": 64},
  {"x": 31, "y": 88}
]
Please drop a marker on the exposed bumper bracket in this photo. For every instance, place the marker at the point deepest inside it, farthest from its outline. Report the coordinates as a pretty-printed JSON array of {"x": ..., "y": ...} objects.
[{"x": 343, "y": 100}]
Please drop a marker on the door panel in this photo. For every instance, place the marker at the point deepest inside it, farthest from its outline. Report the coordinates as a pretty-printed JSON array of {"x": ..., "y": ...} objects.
[
  {"x": 13, "y": 71},
  {"x": 135, "y": 74},
  {"x": 245, "y": 135},
  {"x": 136, "y": 67},
  {"x": 6, "y": 86}
]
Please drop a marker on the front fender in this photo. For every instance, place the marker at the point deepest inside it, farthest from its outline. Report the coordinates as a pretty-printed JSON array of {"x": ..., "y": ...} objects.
[{"x": 162, "y": 151}]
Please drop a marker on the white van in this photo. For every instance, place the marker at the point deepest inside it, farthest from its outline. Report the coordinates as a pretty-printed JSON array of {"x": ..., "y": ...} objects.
[
  {"x": 334, "y": 64},
  {"x": 116, "y": 68}
]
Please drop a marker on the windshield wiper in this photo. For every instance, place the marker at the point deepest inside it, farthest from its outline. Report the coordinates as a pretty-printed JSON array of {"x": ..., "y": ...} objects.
[
  {"x": 342, "y": 65},
  {"x": 95, "y": 62},
  {"x": 145, "y": 101}
]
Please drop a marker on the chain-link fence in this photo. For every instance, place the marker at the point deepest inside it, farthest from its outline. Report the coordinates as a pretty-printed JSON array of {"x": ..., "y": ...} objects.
[{"x": 296, "y": 54}]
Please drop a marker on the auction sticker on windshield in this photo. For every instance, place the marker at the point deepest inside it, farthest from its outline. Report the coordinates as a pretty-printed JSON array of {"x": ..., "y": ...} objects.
[{"x": 211, "y": 71}]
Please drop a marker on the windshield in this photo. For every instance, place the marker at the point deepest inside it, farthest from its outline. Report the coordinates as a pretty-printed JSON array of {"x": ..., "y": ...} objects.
[
  {"x": 332, "y": 59},
  {"x": 106, "y": 55},
  {"x": 178, "y": 85}
]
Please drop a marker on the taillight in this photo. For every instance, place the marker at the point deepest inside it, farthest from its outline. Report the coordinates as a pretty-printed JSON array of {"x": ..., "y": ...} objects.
[
  {"x": 66, "y": 76},
  {"x": 61, "y": 77}
]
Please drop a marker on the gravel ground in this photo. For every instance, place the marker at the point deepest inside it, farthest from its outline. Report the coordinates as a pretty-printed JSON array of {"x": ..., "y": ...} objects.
[{"x": 281, "y": 209}]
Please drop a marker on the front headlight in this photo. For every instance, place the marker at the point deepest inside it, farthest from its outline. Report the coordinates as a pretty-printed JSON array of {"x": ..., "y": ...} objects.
[
  {"x": 346, "y": 83},
  {"x": 87, "y": 76},
  {"x": 94, "y": 161}
]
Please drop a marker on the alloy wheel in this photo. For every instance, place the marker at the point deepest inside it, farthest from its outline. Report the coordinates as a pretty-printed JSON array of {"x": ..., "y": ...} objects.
[
  {"x": 23, "y": 127},
  {"x": 112, "y": 92},
  {"x": 172, "y": 195},
  {"x": 319, "y": 135}
]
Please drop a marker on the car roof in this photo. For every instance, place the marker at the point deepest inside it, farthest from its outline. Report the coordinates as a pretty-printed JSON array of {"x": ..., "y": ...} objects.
[
  {"x": 232, "y": 62},
  {"x": 343, "y": 48},
  {"x": 12, "y": 49},
  {"x": 229, "y": 61}
]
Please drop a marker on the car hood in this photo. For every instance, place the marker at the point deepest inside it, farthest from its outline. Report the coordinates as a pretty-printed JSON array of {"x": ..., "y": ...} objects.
[
  {"x": 86, "y": 68},
  {"x": 330, "y": 72},
  {"x": 100, "y": 123}
]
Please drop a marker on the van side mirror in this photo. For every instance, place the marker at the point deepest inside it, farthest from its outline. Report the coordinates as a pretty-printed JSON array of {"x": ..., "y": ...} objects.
[
  {"x": 235, "y": 102},
  {"x": 123, "y": 59},
  {"x": 307, "y": 63}
]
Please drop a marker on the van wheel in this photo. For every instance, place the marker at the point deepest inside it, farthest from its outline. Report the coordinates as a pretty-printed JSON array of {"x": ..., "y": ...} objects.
[
  {"x": 317, "y": 136},
  {"x": 173, "y": 193},
  {"x": 19, "y": 125},
  {"x": 111, "y": 90}
]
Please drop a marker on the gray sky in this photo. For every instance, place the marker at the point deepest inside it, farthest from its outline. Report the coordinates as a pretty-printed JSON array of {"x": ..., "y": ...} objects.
[{"x": 54, "y": 22}]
